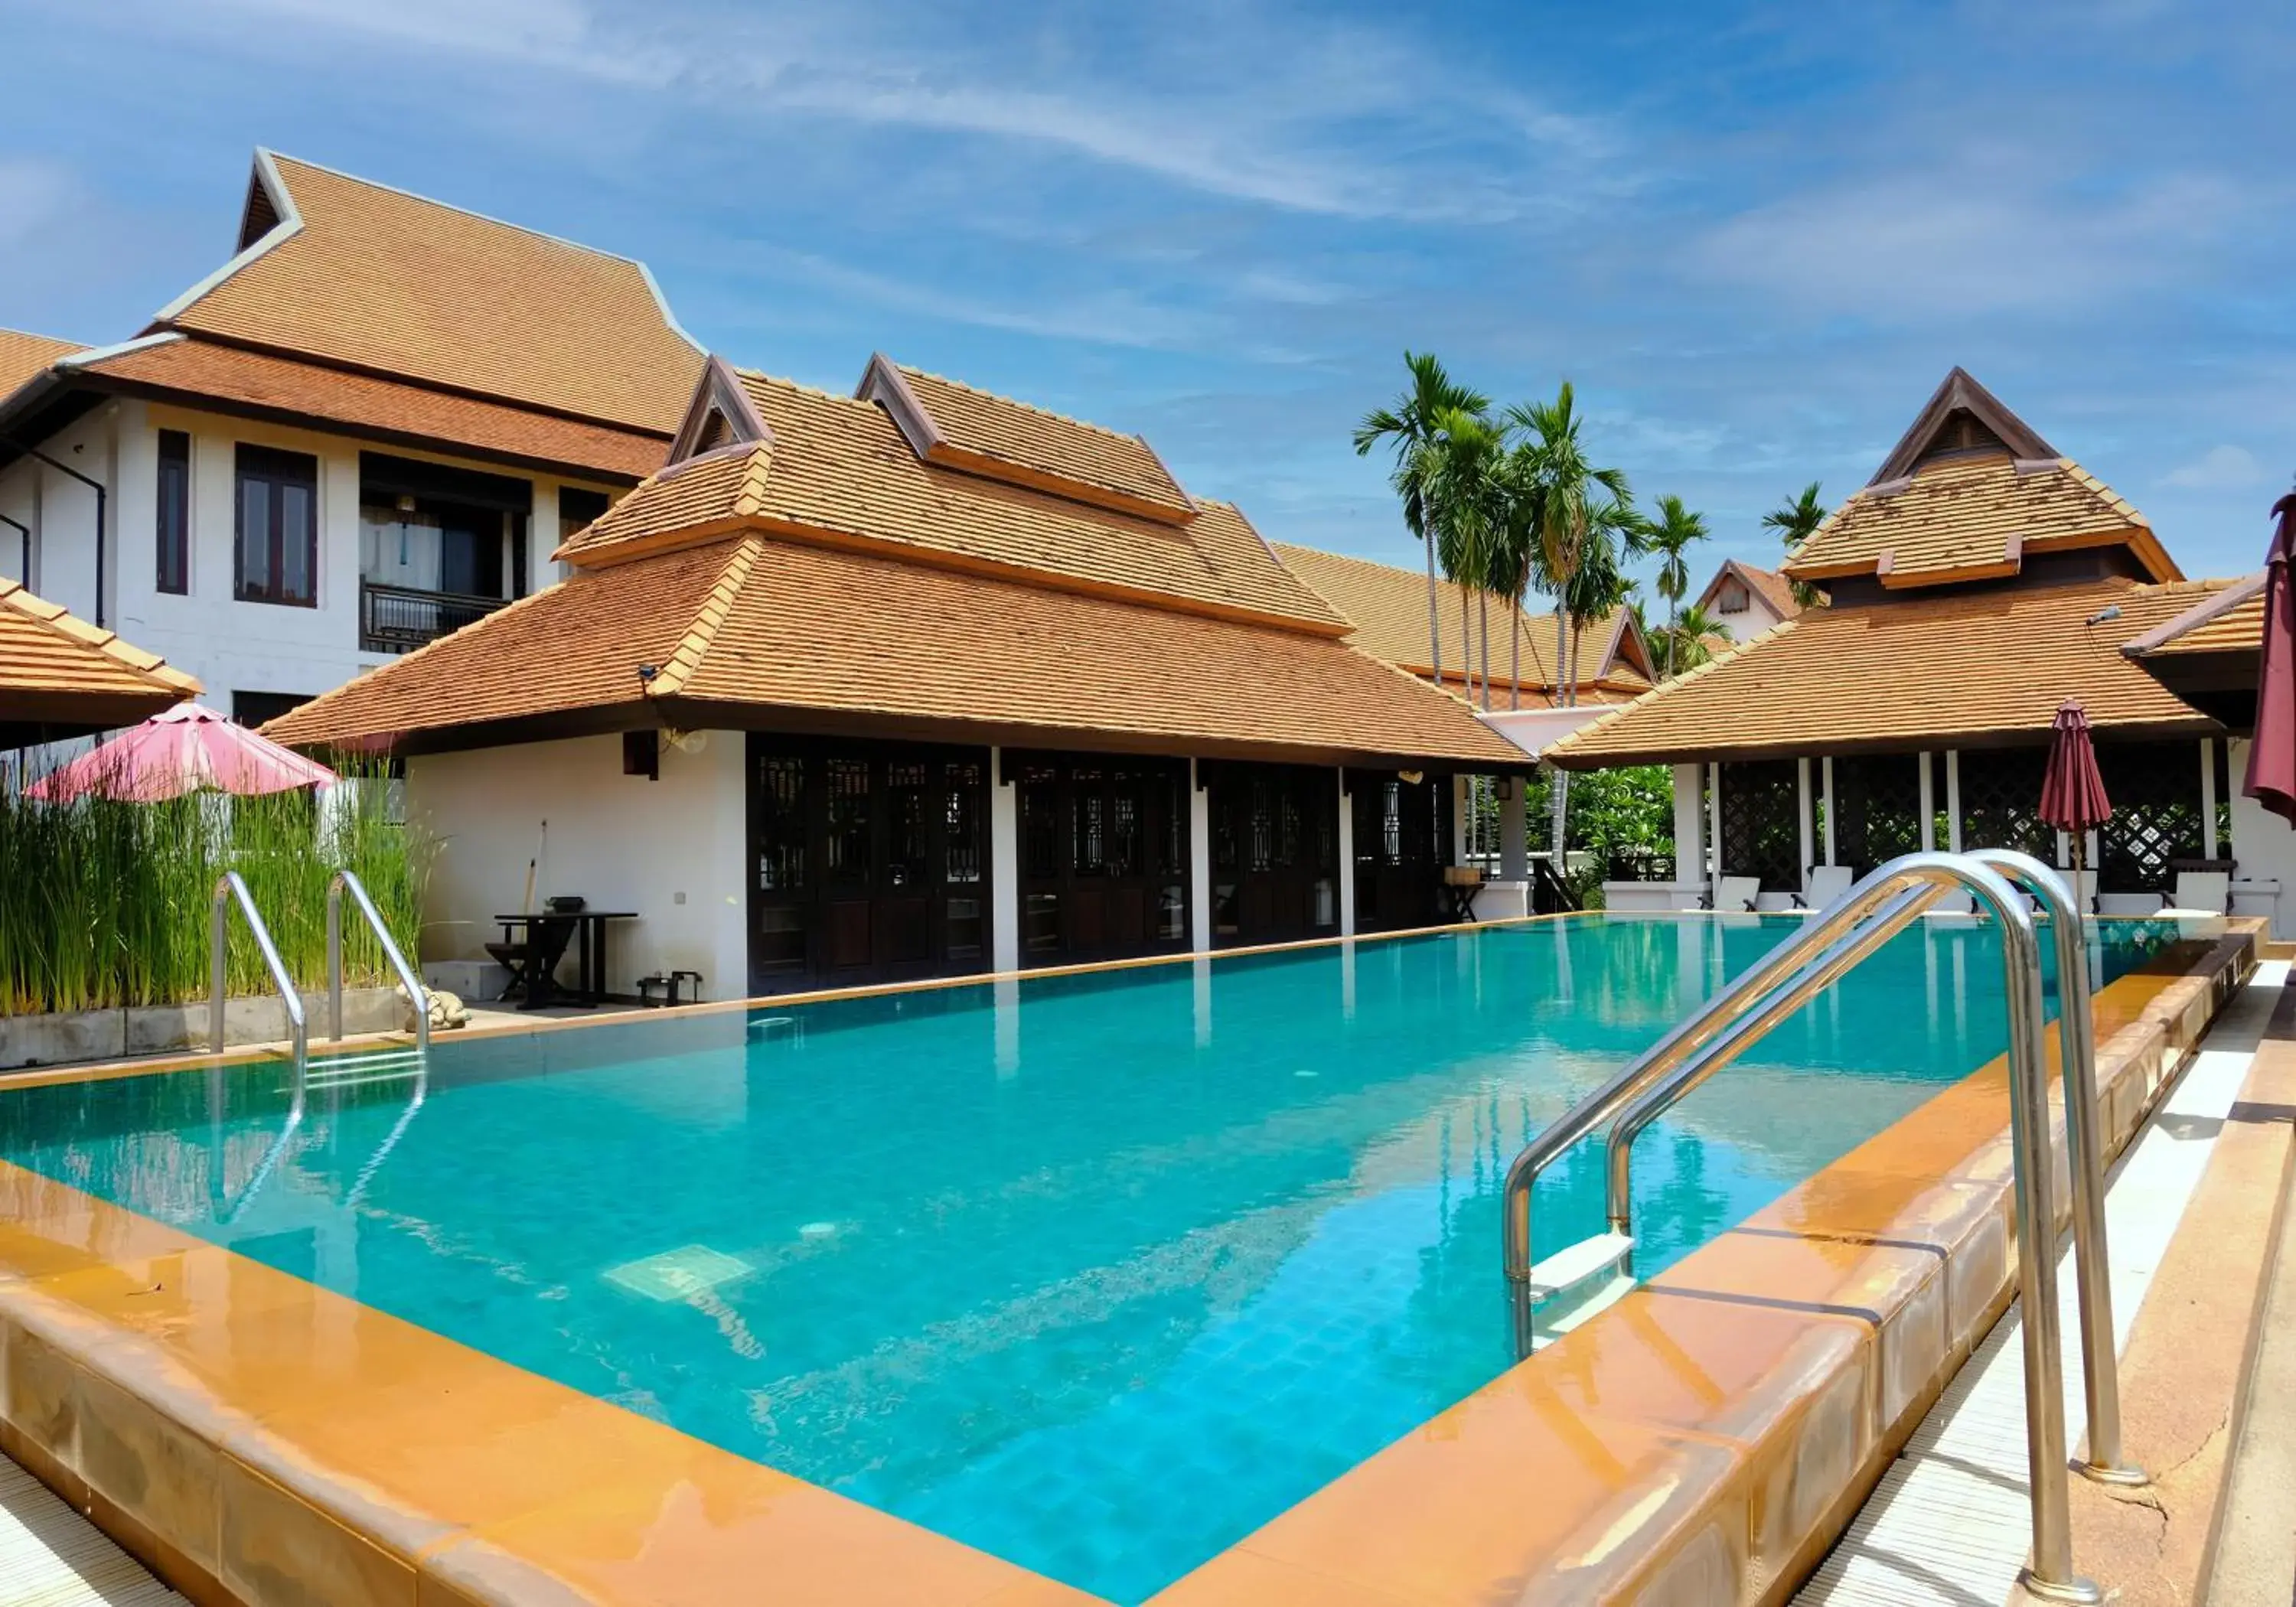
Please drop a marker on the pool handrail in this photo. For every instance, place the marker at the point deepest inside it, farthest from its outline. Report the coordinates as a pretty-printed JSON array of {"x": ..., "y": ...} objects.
[
  {"x": 344, "y": 881},
  {"x": 230, "y": 887},
  {"x": 1876, "y": 908},
  {"x": 1676, "y": 1047},
  {"x": 2084, "y": 1144}
]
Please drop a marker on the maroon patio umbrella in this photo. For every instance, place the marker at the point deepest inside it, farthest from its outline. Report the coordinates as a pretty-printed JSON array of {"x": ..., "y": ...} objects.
[
  {"x": 2072, "y": 792},
  {"x": 2272, "y": 755}
]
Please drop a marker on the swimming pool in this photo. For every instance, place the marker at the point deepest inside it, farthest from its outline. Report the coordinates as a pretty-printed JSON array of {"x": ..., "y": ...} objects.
[{"x": 1095, "y": 1273}]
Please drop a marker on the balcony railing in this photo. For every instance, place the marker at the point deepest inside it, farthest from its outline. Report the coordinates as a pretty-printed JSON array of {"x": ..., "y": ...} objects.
[{"x": 397, "y": 619}]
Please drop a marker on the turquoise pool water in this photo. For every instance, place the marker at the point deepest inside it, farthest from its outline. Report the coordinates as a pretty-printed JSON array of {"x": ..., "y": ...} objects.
[{"x": 1096, "y": 1273}]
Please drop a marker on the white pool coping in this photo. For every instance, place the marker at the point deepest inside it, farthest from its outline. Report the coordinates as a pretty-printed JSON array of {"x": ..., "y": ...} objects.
[{"x": 1950, "y": 1522}]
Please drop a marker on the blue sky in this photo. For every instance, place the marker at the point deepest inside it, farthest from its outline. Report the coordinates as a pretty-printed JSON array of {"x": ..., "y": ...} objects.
[{"x": 1755, "y": 237}]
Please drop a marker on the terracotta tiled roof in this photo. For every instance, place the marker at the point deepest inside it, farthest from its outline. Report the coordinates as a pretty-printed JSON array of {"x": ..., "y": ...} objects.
[
  {"x": 1968, "y": 517},
  {"x": 2229, "y": 617},
  {"x": 382, "y": 280},
  {"x": 748, "y": 628},
  {"x": 1965, "y": 668},
  {"x": 1008, "y": 439},
  {"x": 574, "y": 646},
  {"x": 1771, "y": 587},
  {"x": 58, "y": 671},
  {"x": 839, "y": 469},
  {"x": 201, "y": 370},
  {"x": 23, "y": 356},
  {"x": 1387, "y": 606}
]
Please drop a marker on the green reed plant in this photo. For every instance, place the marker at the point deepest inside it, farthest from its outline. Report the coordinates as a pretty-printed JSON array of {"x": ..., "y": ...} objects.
[{"x": 105, "y": 903}]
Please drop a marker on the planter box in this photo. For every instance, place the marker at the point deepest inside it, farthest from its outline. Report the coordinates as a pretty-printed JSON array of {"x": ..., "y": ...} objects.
[{"x": 61, "y": 1038}]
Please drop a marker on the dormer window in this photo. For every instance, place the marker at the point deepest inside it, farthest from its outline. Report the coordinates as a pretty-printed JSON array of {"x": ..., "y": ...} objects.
[{"x": 1732, "y": 599}]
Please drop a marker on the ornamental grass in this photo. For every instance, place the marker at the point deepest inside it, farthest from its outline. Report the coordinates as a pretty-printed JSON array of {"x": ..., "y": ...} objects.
[{"x": 105, "y": 903}]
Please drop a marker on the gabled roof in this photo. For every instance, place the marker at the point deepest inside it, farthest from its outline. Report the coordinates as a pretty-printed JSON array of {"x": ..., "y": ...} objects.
[
  {"x": 1387, "y": 605},
  {"x": 958, "y": 427},
  {"x": 61, "y": 676},
  {"x": 197, "y": 372},
  {"x": 23, "y": 356},
  {"x": 1951, "y": 668},
  {"x": 753, "y": 631},
  {"x": 800, "y": 463},
  {"x": 1768, "y": 585},
  {"x": 1966, "y": 495},
  {"x": 352, "y": 273}
]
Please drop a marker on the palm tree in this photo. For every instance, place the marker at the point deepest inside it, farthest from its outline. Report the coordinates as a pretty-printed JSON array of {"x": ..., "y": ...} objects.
[
  {"x": 1459, "y": 469},
  {"x": 1795, "y": 522},
  {"x": 1669, "y": 537},
  {"x": 1691, "y": 641},
  {"x": 1579, "y": 507},
  {"x": 1410, "y": 426}
]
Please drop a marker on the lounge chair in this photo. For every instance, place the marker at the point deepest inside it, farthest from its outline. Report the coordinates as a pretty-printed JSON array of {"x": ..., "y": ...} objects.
[
  {"x": 2203, "y": 888},
  {"x": 1735, "y": 895},
  {"x": 1827, "y": 884}
]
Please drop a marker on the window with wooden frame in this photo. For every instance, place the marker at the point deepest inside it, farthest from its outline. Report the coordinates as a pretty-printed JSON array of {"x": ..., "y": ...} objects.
[
  {"x": 277, "y": 528},
  {"x": 173, "y": 517}
]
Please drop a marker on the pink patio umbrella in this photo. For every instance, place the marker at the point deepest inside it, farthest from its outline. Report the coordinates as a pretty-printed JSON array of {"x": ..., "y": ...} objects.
[
  {"x": 2072, "y": 790},
  {"x": 2272, "y": 755},
  {"x": 178, "y": 751}
]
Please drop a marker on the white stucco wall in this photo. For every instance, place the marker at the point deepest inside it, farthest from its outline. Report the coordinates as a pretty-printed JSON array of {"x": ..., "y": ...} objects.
[
  {"x": 671, "y": 849},
  {"x": 2264, "y": 847},
  {"x": 230, "y": 646}
]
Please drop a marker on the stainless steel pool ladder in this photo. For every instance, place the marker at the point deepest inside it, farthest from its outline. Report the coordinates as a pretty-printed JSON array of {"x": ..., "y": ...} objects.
[
  {"x": 230, "y": 889},
  {"x": 344, "y": 881},
  {"x": 1828, "y": 946}
]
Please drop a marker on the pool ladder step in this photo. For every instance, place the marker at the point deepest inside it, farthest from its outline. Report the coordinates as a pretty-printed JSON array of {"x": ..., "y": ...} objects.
[
  {"x": 1572, "y": 1285},
  {"x": 358, "y": 1070}
]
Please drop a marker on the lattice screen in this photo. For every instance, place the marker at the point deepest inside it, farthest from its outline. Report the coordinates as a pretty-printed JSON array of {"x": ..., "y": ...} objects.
[
  {"x": 1761, "y": 835},
  {"x": 1878, "y": 800},
  {"x": 2001, "y": 800},
  {"x": 2155, "y": 789}
]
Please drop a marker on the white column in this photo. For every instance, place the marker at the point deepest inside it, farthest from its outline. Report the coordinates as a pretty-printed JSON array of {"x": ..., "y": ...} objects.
[
  {"x": 1830, "y": 809},
  {"x": 1514, "y": 829},
  {"x": 2208, "y": 797},
  {"x": 1929, "y": 814},
  {"x": 1200, "y": 866},
  {"x": 1347, "y": 872},
  {"x": 1689, "y": 823},
  {"x": 1801, "y": 811},
  {"x": 1714, "y": 826},
  {"x": 1952, "y": 804},
  {"x": 1003, "y": 866}
]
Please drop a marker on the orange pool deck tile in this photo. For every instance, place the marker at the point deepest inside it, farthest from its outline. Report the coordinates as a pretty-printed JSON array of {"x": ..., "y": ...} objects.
[
  {"x": 340, "y": 1453},
  {"x": 261, "y": 1439}
]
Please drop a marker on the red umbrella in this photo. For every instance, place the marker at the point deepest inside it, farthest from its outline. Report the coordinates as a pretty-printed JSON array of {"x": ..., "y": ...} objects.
[
  {"x": 2072, "y": 792},
  {"x": 178, "y": 751},
  {"x": 2272, "y": 755}
]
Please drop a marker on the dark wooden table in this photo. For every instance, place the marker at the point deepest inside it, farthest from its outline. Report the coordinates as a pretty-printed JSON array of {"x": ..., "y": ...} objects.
[{"x": 589, "y": 945}]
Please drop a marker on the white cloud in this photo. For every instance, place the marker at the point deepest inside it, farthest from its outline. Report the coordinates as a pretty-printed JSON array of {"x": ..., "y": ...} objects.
[
  {"x": 1244, "y": 103},
  {"x": 1887, "y": 245},
  {"x": 2219, "y": 469}
]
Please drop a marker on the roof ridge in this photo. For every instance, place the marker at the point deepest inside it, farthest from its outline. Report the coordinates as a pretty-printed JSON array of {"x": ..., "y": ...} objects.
[
  {"x": 54, "y": 616},
  {"x": 1012, "y": 401},
  {"x": 449, "y": 206},
  {"x": 34, "y": 334},
  {"x": 802, "y": 389},
  {"x": 685, "y": 658}
]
